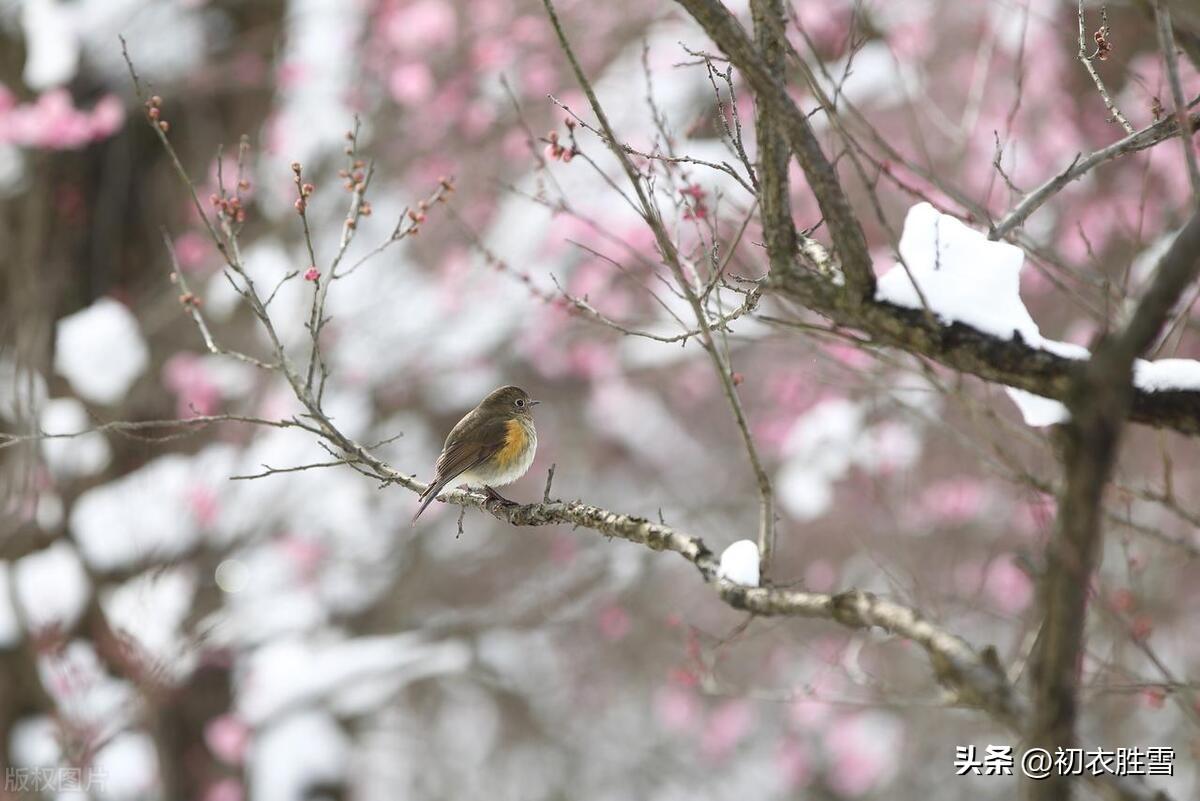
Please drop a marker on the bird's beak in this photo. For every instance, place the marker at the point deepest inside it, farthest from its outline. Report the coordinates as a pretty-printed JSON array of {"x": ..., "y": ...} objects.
[{"x": 534, "y": 403}]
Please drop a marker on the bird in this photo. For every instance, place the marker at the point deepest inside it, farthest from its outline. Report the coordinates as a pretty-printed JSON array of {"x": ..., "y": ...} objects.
[{"x": 491, "y": 446}]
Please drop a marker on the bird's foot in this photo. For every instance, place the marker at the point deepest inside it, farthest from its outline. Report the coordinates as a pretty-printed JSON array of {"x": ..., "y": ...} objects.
[{"x": 497, "y": 498}]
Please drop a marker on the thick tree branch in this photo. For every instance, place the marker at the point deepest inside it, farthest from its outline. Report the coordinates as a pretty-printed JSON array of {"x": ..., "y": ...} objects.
[
  {"x": 974, "y": 677},
  {"x": 1099, "y": 397},
  {"x": 1006, "y": 361},
  {"x": 844, "y": 229}
]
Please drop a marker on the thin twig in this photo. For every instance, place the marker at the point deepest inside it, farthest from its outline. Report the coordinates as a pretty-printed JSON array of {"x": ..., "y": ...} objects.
[
  {"x": 1087, "y": 61},
  {"x": 271, "y": 471},
  {"x": 191, "y": 303},
  {"x": 1166, "y": 43},
  {"x": 1081, "y": 165},
  {"x": 670, "y": 255}
]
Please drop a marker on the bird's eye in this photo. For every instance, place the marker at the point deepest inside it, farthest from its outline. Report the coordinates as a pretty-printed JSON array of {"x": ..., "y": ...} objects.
[{"x": 520, "y": 403}]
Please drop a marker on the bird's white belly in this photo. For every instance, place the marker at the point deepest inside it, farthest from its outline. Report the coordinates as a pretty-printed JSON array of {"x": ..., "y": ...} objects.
[{"x": 482, "y": 475}]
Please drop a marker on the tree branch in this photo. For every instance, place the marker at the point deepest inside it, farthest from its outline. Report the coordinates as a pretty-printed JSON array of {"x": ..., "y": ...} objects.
[
  {"x": 1012, "y": 362},
  {"x": 1088, "y": 64},
  {"x": 1100, "y": 396},
  {"x": 844, "y": 229},
  {"x": 779, "y": 231},
  {"x": 670, "y": 255},
  {"x": 1166, "y": 43},
  {"x": 1081, "y": 165}
]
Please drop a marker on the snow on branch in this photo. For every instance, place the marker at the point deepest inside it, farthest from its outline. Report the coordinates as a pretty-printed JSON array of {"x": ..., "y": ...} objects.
[{"x": 963, "y": 277}]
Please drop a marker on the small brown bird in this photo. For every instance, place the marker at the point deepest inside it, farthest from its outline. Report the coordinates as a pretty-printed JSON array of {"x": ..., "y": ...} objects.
[{"x": 491, "y": 446}]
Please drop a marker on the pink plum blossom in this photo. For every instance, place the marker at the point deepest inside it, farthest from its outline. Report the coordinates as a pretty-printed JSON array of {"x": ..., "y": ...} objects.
[
  {"x": 864, "y": 751},
  {"x": 614, "y": 622},
  {"x": 53, "y": 122},
  {"x": 228, "y": 737},
  {"x": 725, "y": 727},
  {"x": 421, "y": 25},
  {"x": 193, "y": 249},
  {"x": 204, "y": 505},
  {"x": 820, "y": 575},
  {"x": 411, "y": 84},
  {"x": 953, "y": 501},
  {"x": 1008, "y": 586},
  {"x": 227, "y": 789},
  {"x": 676, "y": 708},
  {"x": 793, "y": 760},
  {"x": 185, "y": 375}
]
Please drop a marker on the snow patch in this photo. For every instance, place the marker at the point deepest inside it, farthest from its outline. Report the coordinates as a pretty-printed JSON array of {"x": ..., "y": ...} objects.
[
  {"x": 51, "y": 587},
  {"x": 966, "y": 278},
  {"x": 1166, "y": 374},
  {"x": 21, "y": 390},
  {"x": 304, "y": 750},
  {"x": 288, "y": 674},
  {"x": 739, "y": 563},
  {"x": 151, "y": 609},
  {"x": 10, "y": 626},
  {"x": 830, "y": 439},
  {"x": 75, "y": 456},
  {"x": 100, "y": 351},
  {"x": 128, "y": 764},
  {"x": 144, "y": 514}
]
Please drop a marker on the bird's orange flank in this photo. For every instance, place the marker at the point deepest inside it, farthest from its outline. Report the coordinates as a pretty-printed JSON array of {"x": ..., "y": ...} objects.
[{"x": 516, "y": 440}]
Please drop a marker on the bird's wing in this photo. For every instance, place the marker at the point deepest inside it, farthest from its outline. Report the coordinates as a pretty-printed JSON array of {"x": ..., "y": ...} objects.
[{"x": 468, "y": 445}]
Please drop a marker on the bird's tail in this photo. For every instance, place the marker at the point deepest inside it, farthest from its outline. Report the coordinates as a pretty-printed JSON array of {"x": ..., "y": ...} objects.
[{"x": 428, "y": 495}]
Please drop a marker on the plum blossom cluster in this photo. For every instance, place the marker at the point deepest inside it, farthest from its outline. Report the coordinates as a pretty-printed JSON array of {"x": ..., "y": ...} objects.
[
  {"x": 556, "y": 151},
  {"x": 154, "y": 112},
  {"x": 355, "y": 179},
  {"x": 304, "y": 189},
  {"x": 229, "y": 207},
  {"x": 53, "y": 122},
  {"x": 694, "y": 206}
]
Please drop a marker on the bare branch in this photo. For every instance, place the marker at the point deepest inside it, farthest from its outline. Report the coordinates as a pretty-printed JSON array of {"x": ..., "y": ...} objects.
[
  {"x": 670, "y": 255},
  {"x": 1166, "y": 43},
  {"x": 1081, "y": 165},
  {"x": 191, "y": 303},
  {"x": 272, "y": 471},
  {"x": 844, "y": 228},
  {"x": 665, "y": 158},
  {"x": 133, "y": 428},
  {"x": 1087, "y": 61},
  {"x": 719, "y": 323}
]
